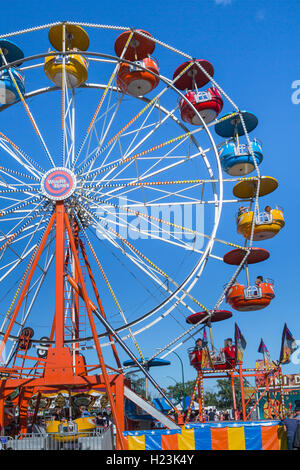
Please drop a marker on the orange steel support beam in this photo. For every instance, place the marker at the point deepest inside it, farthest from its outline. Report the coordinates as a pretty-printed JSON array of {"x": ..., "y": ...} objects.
[
  {"x": 76, "y": 296},
  {"x": 59, "y": 276},
  {"x": 25, "y": 396},
  {"x": 233, "y": 396},
  {"x": 272, "y": 379},
  {"x": 201, "y": 398},
  {"x": 26, "y": 285},
  {"x": 2, "y": 386},
  {"x": 94, "y": 333},
  {"x": 242, "y": 391},
  {"x": 113, "y": 346}
]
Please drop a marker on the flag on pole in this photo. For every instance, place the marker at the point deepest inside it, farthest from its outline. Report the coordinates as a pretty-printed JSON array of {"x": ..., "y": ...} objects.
[
  {"x": 288, "y": 346},
  {"x": 264, "y": 350},
  {"x": 240, "y": 344},
  {"x": 262, "y": 347},
  {"x": 204, "y": 338}
]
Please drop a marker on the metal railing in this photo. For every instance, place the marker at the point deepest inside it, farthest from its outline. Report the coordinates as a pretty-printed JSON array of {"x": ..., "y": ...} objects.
[
  {"x": 252, "y": 292},
  {"x": 98, "y": 439},
  {"x": 202, "y": 96},
  {"x": 263, "y": 218}
]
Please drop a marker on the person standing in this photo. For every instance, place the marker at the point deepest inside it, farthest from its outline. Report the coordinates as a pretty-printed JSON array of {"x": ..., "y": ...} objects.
[
  {"x": 211, "y": 415},
  {"x": 290, "y": 425}
]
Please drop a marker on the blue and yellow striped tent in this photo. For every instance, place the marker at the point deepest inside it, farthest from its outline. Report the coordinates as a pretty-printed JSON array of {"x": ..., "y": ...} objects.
[{"x": 255, "y": 435}]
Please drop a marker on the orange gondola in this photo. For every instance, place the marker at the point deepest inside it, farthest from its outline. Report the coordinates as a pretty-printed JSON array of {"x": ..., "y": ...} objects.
[
  {"x": 246, "y": 299},
  {"x": 137, "y": 81}
]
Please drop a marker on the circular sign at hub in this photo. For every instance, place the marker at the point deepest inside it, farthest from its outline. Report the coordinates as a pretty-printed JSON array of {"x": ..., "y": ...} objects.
[{"x": 58, "y": 184}]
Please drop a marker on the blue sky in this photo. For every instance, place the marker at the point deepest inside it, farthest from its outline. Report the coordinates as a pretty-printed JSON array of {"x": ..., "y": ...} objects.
[{"x": 253, "y": 47}]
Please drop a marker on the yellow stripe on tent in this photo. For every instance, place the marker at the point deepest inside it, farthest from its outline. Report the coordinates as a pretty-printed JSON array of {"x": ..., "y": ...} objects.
[
  {"x": 136, "y": 442},
  {"x": 186, "y": 440},
  {"x": 236, "y": 439}
]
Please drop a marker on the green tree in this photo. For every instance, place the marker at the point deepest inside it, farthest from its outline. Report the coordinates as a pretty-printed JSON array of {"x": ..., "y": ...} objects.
[
  {"x": 137, "y": 384},
  {"x": 175, "y": 392},
  {"x": 224, "y": 393},
  {"x": 211, "y": 399}
]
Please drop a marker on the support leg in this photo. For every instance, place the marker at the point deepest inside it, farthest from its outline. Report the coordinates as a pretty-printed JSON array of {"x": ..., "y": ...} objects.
[
  {"x": 242, "y": 391},
  {"x": 233, "y": 397},
  {"x": 94, "y": 333}
]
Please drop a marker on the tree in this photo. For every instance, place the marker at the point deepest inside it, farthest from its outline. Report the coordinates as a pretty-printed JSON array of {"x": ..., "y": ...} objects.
[
  {"x": 137, "y": 384},
  {"x": 175, "y": 392},
  {"x": 224, "y": 394},
  {"x": 211, "y": 399}
]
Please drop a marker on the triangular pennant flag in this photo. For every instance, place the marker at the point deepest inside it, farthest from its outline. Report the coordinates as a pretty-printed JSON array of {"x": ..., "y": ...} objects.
[
  {"x": 288, "y": 346},
  {"x": 240, "y": 344}
]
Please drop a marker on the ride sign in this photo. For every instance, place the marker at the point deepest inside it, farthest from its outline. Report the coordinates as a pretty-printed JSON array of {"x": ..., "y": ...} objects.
[{"x": 58, "y": 184}]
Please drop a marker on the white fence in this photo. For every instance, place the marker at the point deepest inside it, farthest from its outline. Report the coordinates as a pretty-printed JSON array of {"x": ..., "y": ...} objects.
[{"x": 99, "y": 439}]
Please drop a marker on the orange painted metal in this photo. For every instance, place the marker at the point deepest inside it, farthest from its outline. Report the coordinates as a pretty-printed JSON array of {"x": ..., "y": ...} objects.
[
  {"x": 58, "y": 370},
  {"x": 113, "y": 346},
  {"x": 59, "y": 276},
  {"x": 26, "y": 285},
  {"x": 128, "y": 79},
  {"x": 94, "y": 333},
  {"x": 236, "y": 297}
]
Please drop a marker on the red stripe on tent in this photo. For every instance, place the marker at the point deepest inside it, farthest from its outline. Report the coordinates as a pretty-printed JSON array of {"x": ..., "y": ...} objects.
[
  {"x": 219, "y": 439},
  {"x": 169, "y": 442},
  {"x": 269, "y": 437}
]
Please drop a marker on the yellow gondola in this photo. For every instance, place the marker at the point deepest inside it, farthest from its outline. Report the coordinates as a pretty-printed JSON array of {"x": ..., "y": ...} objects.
[
  {"x": 267, "y": 224},
  {"x": 64, "y": 431},
  {"x": 76, "y": 39},
  {"x": 76, "y": 70}
]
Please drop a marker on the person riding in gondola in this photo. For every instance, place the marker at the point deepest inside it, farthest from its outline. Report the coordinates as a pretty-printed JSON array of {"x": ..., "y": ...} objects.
[
  {"x": 229, "y": 351},
  {"x": 196, "y": 355},
  {"x": 259, "y": 280}
]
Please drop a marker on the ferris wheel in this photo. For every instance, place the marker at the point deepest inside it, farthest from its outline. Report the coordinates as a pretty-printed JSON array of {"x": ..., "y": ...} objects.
[{"x": 124, "y": 143}]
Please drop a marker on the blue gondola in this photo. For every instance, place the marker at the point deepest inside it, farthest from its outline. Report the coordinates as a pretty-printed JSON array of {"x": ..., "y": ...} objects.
[
  {"x": 237, "y": 160},
  {"x": 230, "y": 125},
  {"x": 8, "y": 90}
]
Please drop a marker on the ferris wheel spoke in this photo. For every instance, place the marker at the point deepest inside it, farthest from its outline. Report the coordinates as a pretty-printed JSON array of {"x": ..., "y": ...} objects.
[
  {"x": 18, "y": 155},
  {"x": 154, "y": 232},
  {"x": 63, "y": 97},
  {"x": 122, "y": 161},
  {"x": 112, "y": 77},
  {"x": 134, "y": 119},
  {"x": 121, "y": 312},
  {"x": 13, "y": 173},
  {"x": 152, "y": 274},
  {"x": 21, "y": 205},
  {"x": 112, "y": 167},
  {"x": 138, "y": 131},
  {"x": 188, "y": 133},
  {"x": 26, "y": 314},
  {"x": 27, "y": 109},
  {"x": 150, "y": 218},
  {"x": 16, "y": 233},
  {"x": 44, "y": 271},
  {"x": 105, "y": 130},
  {"x": 142, "y": 256}
]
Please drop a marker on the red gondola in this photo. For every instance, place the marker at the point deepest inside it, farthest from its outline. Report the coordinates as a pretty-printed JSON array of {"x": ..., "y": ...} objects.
[
  {"x": 208, "y": 103},
  {"x": 139, "y": 46},
  {"x": 225, "y": 360}
]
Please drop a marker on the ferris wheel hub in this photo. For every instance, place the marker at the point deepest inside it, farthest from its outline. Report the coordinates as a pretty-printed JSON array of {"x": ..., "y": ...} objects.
[{"x": 58, "y": 184}]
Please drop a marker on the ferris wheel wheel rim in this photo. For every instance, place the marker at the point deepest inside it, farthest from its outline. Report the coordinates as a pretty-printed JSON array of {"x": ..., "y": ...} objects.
[{"x": 204, "y": 257}]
